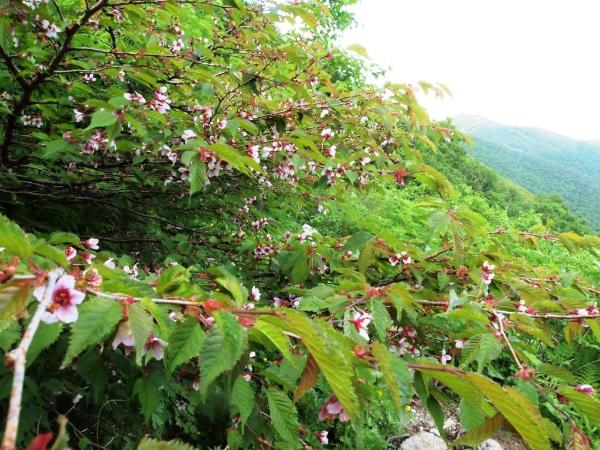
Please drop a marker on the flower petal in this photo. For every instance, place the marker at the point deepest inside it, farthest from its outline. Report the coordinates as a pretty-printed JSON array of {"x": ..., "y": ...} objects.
[{"x": 67, "y": 314}]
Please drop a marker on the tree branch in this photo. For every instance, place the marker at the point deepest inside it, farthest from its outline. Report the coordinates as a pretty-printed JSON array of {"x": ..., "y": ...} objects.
[{"x": 17, "y": 358}]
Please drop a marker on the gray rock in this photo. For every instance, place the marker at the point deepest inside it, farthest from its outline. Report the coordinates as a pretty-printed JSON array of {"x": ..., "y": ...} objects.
[
  {"x": 490, "y": 444},
  {"x": 423, "y": 441}
]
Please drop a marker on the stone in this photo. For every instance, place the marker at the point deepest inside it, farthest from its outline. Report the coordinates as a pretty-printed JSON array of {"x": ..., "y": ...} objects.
[
  {"x": 490, "y": 444},
  {"x": 423, "y": 441}
]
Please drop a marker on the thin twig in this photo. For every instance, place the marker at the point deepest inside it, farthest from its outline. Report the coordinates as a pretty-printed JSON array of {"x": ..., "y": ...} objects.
[{"x": 17, "y": 358}]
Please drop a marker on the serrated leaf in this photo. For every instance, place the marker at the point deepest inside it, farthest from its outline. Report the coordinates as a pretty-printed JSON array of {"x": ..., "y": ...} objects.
[
  {"x": 516, "y": 409},
  {"x": 330, "y": 357},
  {"x": 284, "y": 416},
  {"x": 242, "y": 398},
  {"x": 308, "y": 379},
  {"x": 484, "y": 431},
  {"x": 45, "y": 336},
  {"x": 14, "y": 239},
  {"x": 588, "y": 406},
  {"x": 482, "y": 348},
  {"x": 171, "y": 279},
  {"x": 184, "y": 343},
  {"x": 235, "y": 287},
  {"x": 98, "y": 318},
  {"x": 276, "y": 336},
  {"x": 13, "y": 299},
  {"x": 395, "y": 373},
  {"x": 381, "y": 318},
  {"x": 148, "y": 392},
  {"x": 367, "y": 256},
  {"x": 10, "y": 336},
  {"x": 102, "y": 118},
  {"x": 221, "y": 350},
  {"x": 141, "y": 328},
  {"x": 197, "y": 176},
  {"x": 558, "y": 372},
  {"x": 152, "y": 444}
]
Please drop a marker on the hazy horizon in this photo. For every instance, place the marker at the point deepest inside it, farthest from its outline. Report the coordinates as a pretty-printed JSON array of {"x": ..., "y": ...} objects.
[{"x": 527, "y": 64}]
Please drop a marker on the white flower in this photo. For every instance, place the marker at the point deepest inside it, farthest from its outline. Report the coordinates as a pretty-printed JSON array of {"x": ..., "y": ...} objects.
[
  {"x": 91, "y": 243},
  {"x": 156, "y": 346},
  {"x": 110, "y": 263},
  {"x": 361, "y": 321},
  {"x": 188, "y": 134},
  {"x": 124, "y": 336},
  {"x": 254, "y": 294},
  {"x": 64, "y": 300},
  {"x": 327, "y": 133},
  {"x": 79, "y": 116},
  {"x": 89, "y": 77}
]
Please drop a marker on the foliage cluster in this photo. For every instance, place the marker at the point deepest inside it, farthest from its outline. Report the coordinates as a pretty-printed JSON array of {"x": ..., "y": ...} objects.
[{"x": 211, "y": 236}]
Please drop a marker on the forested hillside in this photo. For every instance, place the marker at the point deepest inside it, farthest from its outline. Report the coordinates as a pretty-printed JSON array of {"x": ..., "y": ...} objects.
[
  {"x": 541, "y": 161},
  {"x": 217, "y": 234}
]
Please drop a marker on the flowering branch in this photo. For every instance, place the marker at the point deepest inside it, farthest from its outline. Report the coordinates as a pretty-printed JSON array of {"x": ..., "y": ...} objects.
[{"x": 17, "y": 359}]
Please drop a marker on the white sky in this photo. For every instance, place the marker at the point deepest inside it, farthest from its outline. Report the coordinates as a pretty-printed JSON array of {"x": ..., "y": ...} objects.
[{"x": 519, "y": 62}]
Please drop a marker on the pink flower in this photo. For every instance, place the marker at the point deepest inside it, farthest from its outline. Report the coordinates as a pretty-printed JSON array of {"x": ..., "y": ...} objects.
[
  {"x": 79, "y": 116},
  {"x": 331, "y": 151},
  {"x": 93, "y": 278},
  {"x": 222, "y": 124},
  {"x": 582, "y": 312},
  {"x": 254, "y": 294},
  {"x": 361, "y": 320},
  {"x": 188, "y": 134},
  {"x": 156, "y": 346},
  {"x": 586, "y": 389},
  {"x": 124, "y": 336},
  {"x": 322, "y": 437},
  {"x": 63, "y": 301},
  {"x": 444, "y": 358},
  {"x": 135, "y": 97},
  {"x": 89, "y": 77},
  {"x": 91, "y": 243},
  {"x": 70, "y": 253},
  {"x": 406, "y": 259},
  {"x": 487, "y": 272},
  {"x": 460, "y": 343},
  {"x": 87, "y": 257},
  {"x": 327, "y": 133},
  {"x": 177, "y": 45},
  {"x": 332, "y": 409},
  {"x": 394, "y": 259}
]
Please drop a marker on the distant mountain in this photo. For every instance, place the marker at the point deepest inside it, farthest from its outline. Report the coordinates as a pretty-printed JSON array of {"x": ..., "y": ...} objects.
[{"x": 541, "y": 161}]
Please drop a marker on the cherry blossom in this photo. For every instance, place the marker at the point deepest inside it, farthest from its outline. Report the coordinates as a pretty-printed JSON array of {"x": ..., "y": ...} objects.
[
  {"x": 93, "y": 278},
  {"x": 89, "y": 78},
  {"x": 460, "y": 343},
  {"x": 64, "y": 300},
  {"x": 91, "y": 243},
  {"x": 444, "y": 358},
  {"x": 70, "y": 253},
  {"x": 322, "y": 437},
  {"x": 156, "y": 346},
  {"x": 332, "y": 409},
  {"x": 160, "y": 102},
  {"x": 124, "y": 336},
  {"x": 361, "y": 321},
  {"x": 135, "y": 97},
  {"x": 87, "y": 257},
  {"x": 177, "y": 46},
  {"x": 487, "y": 272},
  {"x": 254, "y": 294},
  {"x": 327, "y": 133},
  {"x": 331, "y": 151},
  {"x": 586, "y": 389},
  {"x": 110, "y": 263},
  {"x": 222, "y": 124},
  {"x": 79, "y": 115}
]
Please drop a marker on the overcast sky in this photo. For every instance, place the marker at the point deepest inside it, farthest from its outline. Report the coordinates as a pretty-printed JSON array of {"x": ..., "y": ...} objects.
[{"x": 519, "y": 62}]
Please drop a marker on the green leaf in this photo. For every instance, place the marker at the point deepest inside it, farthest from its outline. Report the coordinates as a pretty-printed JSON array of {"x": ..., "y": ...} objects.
[
  {"x": 331, "y": 357},
  {"x": 276, "y": 336},
  {"x": 484, "y": 431},
  {"x": 284, "y": 416},
  {"x": 381, "y": 318},
  {"x": 222, "y": 349},
  {"x": 395, "y": 373},
  {"x": 184, "y": 343},
  {"x": 152, "y": 444},
  {"x": 10, "y": 336},
  {"x": 588, "y": 406},
  {"x": 197, "y": 176},
  {"x": 141, "y": 328},
  {"x": 98, "y": 318},
  {"x": 13, "y": 299},
  {"x": 241, "y": 163},
  {"x": 242, "y": 398},
  {"x": 235, "y": 288},
  {"x": 102, "y": 118},
  {"x": 516, "y": 409},
  {"x": 358, "y": 49},
  {"x": 482, "y": 348},
  {"x": 367, "y": 256},
  {"x": 45, "y": 336},
  {"x": 171, "y": 279},
  {"x": 149, "y": 394},
  {"x": 52, "y": 253},
  {"x": 14, "y": 239},
  {"x": 557, "y": 372}
]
